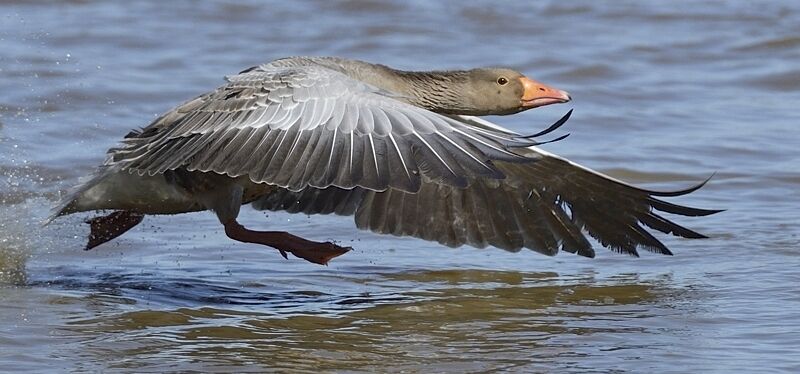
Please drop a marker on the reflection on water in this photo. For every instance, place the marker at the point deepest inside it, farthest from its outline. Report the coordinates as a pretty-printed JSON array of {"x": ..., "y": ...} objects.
[
  {"x": 663, "y": 96},
  {"x": 452, "y": 320}
]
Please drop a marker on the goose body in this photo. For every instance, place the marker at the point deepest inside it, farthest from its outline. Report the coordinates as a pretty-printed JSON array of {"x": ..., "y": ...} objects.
[{"x": 406, "y": 153}]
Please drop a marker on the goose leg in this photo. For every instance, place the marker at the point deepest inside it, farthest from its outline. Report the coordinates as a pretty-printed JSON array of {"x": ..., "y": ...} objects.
[
  {"x": 110, "y": 226},
  {"x": 225, "y": 202},
  {"x": 316, "y": 252}
]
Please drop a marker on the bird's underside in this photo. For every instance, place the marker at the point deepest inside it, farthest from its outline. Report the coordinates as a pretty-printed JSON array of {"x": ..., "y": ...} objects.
[{"x": 305, "y": 136}]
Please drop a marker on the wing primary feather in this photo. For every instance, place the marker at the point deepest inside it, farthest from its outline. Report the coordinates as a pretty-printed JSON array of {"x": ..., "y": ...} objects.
[
  {"x": 654, "y": 221},
  {"x": 223, "y": 163},
  {"x": 260, "y": 170},
  {"x": 680, "y": 192},
  {"x": 572, "y": 240},
  {"x": 261, "y": 149},
  {"x": 189, "y": 149},
  {"x": 604, "y": 227},
  {"x": 296, "y": 167},
  {"x": 500, "y": 137},
  {"x": 331, "y": 153},
  {"x": 374, "y": 155},
  {"x": 650, "y": 242},
  {"x": 241, "y": 157},
  {"x": 562, "y": 137},
  {"x": 281, "y": 165},
  {"x": 550, "y": 129},
  {"x": 315, "y": 156},
  {"x": 441, "y": 160},
  {"x": 164, "y": 155},
  {"x": 352, "y": 134},
  {"x": 400, "y": 155},
  {"x": 511, "y": 156},
  {"x": 680, "y": 209},
  {"x": 492, "y": 169},
  {"x": 204, "y": 162}
]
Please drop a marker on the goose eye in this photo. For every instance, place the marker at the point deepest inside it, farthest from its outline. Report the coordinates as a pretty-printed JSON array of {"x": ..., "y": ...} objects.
[{"x": 502, "y": 81}]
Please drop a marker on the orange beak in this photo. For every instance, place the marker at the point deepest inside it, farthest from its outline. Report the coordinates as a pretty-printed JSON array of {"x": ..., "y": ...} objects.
[{"x": 537, "y": 94}]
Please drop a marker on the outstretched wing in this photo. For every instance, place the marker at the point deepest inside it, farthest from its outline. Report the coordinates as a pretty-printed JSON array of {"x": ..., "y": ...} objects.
[
  {"x": 300, "y": 126},
  {"x": 545, "y": 206}
]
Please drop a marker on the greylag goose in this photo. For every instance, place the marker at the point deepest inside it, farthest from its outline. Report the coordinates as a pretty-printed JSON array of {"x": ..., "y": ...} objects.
[{"x": 404, "y": 152}]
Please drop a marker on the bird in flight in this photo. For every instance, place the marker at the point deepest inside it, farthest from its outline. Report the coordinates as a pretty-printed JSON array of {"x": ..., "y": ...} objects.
[{"x": 406, "y": 153}]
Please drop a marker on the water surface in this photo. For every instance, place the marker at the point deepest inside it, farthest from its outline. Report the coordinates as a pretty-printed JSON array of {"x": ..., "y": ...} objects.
[{"x": 664, "y": 95}]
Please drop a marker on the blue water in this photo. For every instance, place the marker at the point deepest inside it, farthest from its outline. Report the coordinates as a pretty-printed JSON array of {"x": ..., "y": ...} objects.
[{"x": 665, "y": 94}]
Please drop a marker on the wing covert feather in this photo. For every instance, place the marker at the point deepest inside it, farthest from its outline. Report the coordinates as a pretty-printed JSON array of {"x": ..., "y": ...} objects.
[{"x": 323, "y": 129}]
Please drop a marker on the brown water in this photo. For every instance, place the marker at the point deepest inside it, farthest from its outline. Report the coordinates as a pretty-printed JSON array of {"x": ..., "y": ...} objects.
[{"x": 664, "y": 94}]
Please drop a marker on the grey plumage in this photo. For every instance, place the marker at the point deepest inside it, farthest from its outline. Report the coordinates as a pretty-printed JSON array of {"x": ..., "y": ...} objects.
[
  {"x": 399, "y": 151},
  {"x": 344, "y": 132},
  {"x": 543, "y": 206}
]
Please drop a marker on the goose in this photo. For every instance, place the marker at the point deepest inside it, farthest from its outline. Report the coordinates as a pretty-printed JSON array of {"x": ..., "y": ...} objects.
[{"x": 404, "y": 152}]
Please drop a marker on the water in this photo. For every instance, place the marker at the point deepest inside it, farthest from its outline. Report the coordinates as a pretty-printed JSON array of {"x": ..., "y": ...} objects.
[{"x": 664, "y": 95}]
